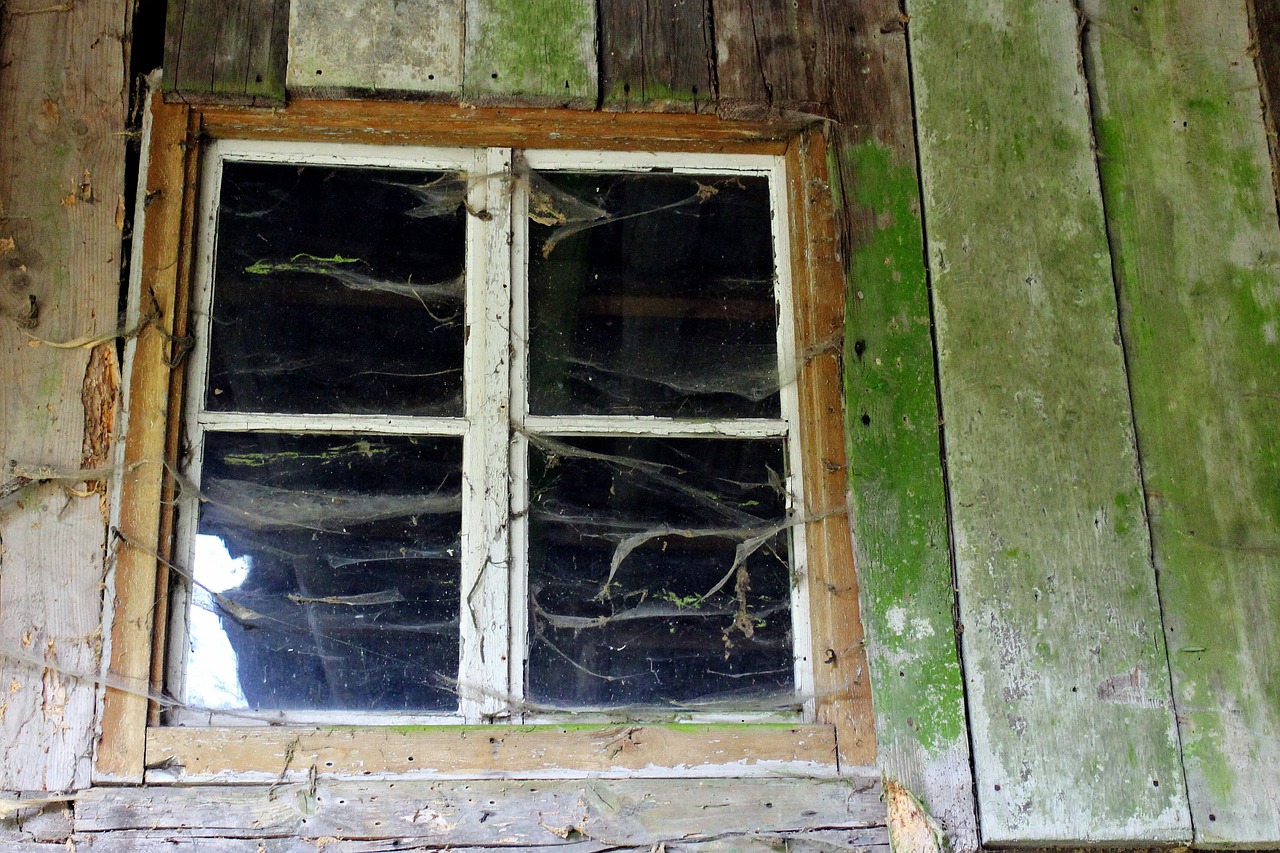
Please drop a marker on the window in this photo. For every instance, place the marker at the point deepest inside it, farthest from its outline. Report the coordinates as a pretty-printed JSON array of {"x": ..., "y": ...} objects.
[{"x": 487, "y": 434}]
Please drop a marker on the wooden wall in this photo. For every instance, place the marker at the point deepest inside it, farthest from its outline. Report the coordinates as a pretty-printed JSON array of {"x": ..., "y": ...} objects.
[
  {"x": 1060, "y": 364},
  {"x": 63, "y": 97}
]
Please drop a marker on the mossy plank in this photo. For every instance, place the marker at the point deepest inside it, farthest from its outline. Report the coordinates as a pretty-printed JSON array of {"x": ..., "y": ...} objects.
[
  {"x": 537, "y": 51},
  {"x": 898, "y": 503},
  {"x": 1068, "y": 687},
  {"x": 656, "y": 56},
  {"x": 1186, "y": 178}
]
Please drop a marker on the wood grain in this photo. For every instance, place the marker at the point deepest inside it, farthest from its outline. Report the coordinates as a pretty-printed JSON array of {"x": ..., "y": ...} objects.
[
  {"x": 141, "y": 515},
  {"x": 1070, "y": 712},
  {"x": 765, "y": 54},
  {"x": 1197, "y": 248},
  {"x": 226, "y": 52},
  {"x": 639, "y": 813},
  {"x": 62, "y": 153},
  {"x": 1266, "y": 41},
  {"x": 398, "y": 123},
  {"x": 842, "y": 684},
  {"x": 190, "y": 755},
  {"x": 656, "y": 55}
]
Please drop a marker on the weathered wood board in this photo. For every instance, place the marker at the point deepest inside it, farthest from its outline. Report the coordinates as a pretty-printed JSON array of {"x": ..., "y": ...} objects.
[
  {"x": 1070, "y": 711},
  {"x": 898, "y": 503},
  {"x": 226, "y": 51},
  {"x": 657, "y": 56},
  {"x": 542, "y": 51},
  {"x": 336, "y": 47},
  {"x": 1186, "y": 178},
  {"x": 642, "y": 813},
  {"x": 765, "y": 55},
  {"x": 1266, "y": 41},
  {"x": 189, "y": 755},
  {"x": 61, "y": 182}
]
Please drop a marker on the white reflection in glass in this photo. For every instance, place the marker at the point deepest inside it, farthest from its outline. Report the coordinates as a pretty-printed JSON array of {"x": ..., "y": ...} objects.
[{"x": 213, "y": 679}]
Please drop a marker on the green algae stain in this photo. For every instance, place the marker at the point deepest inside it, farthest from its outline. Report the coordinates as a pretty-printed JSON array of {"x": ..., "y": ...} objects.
[
  {"x": 535, "y": 48},
  {"x": 894, "y": 463}
]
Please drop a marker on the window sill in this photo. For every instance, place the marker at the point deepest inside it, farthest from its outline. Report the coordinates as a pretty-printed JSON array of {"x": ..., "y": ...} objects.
[{"x": 279, "y": 754}]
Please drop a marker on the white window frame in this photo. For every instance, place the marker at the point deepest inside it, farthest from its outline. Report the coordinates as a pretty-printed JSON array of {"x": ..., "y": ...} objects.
[{"x": 496, "y": 422}]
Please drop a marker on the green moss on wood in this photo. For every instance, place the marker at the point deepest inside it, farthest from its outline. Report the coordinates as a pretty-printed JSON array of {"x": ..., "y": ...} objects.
[
  {"x": 543, "y": 49},
  {"x": 894, "y": 464},
  {"x": 1193, "y": 221}
]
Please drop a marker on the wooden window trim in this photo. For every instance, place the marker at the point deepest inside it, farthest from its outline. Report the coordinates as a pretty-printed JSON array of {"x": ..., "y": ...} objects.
[{"x": 133, "y": 747}]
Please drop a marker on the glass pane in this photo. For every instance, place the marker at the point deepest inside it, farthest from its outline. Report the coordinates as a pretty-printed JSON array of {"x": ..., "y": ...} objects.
[
  {"x": 327, "y": 571},
  {"x": 338, "y": 290},
  {"x": 659, "y": 574},
  {"x": 651, "y": 294}
]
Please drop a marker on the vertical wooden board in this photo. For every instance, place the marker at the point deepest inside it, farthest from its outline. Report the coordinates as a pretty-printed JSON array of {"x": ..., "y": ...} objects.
[
  {"x": 898, "y": 508},
  {"x": 61, "y": 179},
  {"x": 1185, "y": 174},
  {"x": 1071, "y": 720},
  {"x": 267, "y": 51},
  {"x": 226, "y": 52},
  {"x": 1266, "y": 40},
  {"x": 765, "y": 55},
  {"x": 541, "y": 50},
  {"x": 656, "y": 55},
  {"x": 412, "y": 46},
  {"x": 142, "y": 492}
]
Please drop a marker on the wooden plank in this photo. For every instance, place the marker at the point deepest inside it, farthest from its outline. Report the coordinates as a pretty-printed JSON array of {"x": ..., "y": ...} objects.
[
  {"x": 1185, "y": 172},
  {"x": 815, "y": 841},
  {"x": 1070, "y": 710},
  {"x": 842, "y": 684},
  {"x": 642, "y": 813},
  {"x": 398, "y": 123},
  {"x": 214, "y": 754},
  {"x": 62, "y": 152},
  {"x": 133, "y": 583},
  {"x": 765, "y": 57},
  {"x": 541, "y": 51},
  {"x": 896, "y": 484},
  {"x": 343, "y": 48},
  {"x": 656, "y": 56},
  {"x": 220, "y": 52},
  {"x": 809, "y": 841},
  {"x": 1265, "y": 19}
]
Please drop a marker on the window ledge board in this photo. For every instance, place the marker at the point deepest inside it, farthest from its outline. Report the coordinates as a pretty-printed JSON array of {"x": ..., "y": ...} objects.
[{"x": 277, "y": 754}]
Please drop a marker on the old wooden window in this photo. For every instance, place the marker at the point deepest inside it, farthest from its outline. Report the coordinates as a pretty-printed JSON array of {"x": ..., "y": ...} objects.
[{"x": 479, "y": 434}]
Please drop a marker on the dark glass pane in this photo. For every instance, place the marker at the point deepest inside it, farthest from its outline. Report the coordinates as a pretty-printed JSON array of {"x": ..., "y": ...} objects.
[
  {"x": 327, "y": 570},
  {"x": 659, "y": 574},
  {"x": 651, "y": 294},
  {"x": 338, "y": 290}
]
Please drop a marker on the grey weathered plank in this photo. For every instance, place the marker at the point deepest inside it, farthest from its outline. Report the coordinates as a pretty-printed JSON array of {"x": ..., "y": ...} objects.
[
  {"x": 656, "y": 54},
  {"x": 1185, "y": 173},
  {"x": 898, "y": 503},
  {"x": 411, "y": 46},
  {"x": 817, "y": 841},
  {"x": 226, "y": 52},
  {"x": 541, "y": 51},
  {"x": 631, "y": 812},
  {"x": 62, "y": 149},
  {"x": 1070, "y": 709}
]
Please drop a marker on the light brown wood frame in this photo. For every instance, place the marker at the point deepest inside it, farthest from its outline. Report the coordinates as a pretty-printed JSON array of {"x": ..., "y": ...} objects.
[{"x": 131, "y": 741}]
